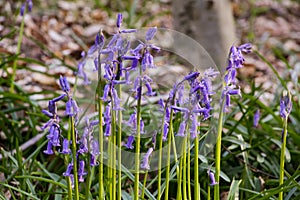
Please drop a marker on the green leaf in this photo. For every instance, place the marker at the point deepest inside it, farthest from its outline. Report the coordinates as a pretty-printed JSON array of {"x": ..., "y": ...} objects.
[{"x": 234, "y": 190}]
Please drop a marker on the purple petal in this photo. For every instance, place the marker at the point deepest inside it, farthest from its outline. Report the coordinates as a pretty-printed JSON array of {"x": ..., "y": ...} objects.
[
  {"x": 69, "y": 170},
  {"x": 119, "y": 20},
  {"x": 66, "y": 149},
  {"x": 130, "y": 142},
  {"x": 150, "y": 33},
  {"x": 129, "y": 31},
  {"x": 181, "y": 129},
  {"x": 22, "y": 10},
  {"x": 49, "y": 150},
  {"x": 212, "y": 179}
]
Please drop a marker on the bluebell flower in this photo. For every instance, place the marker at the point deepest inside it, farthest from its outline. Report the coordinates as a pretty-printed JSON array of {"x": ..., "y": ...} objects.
[
  {"x": 49, "y": 150},
  {"x": 130, "y": 141},
  {"x": 228, "y": 91},
  {"x": 64, "y": 84},
  {"x": 55, "y": 140},
  {"x": 191, "y": 76},
  {"x": 194, "y": 126},
  {"x": 69, "y": 169},
  {"x": 256, "y": 118},
  {"x": 147, "y": 80},
  {"x": 285, "y": 105},
  {"x": 128, "y": 31},
  {"x": 81, "y": 171},
  {"x": 147, "y": 61},
  {"x": 116, "y": 100},
  {"x": 150, "y": 33},
  {"x": 52, "y": 107},
  {"x": 22, "y": 10},
  {"x": 71, "y": 107},
  {"x": 181, "y": 130},
  {"x": 106, "y": 92},
  {"x": 212, "y": 179},
  {"x": 98, "y": 44},
  {"x": 145, "y": 162},
  {"x": 136, "y": 51},
  {"x": 235, "y": 61},
  {"x": 29, "y": 5},
  {"x": 66, "y": 149},
  {"x": 72, "y": 180},
  {"x": 94, "y": 152},
  {"x": 119, "y": 20}
]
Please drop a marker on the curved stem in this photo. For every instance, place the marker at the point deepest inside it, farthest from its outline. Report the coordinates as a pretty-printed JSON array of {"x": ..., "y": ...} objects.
[{"x": 281, "y": 178}]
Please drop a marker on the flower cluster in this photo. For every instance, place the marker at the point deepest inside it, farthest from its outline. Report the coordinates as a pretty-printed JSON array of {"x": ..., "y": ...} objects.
[
  {"x": 235, "y": 61},
  {"x": 197, "y": 104},
  {"x": 54, "y": 135},
  {"x": 87, "y": 145},
  {"x": 118, "y": 64}
]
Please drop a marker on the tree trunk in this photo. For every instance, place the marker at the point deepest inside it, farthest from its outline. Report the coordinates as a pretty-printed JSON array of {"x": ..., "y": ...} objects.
[{"x": 209, "y": 22}]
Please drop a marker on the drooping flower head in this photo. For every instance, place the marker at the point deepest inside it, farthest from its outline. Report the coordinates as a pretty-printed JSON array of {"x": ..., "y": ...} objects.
[
  {"x": 235, "y": 61},
  {"x": 145, "y": 162},
  {"x": 285, "y": 104}
]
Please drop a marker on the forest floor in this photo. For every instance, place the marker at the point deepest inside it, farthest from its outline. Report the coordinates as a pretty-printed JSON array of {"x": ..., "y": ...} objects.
[{"x": 56, "y": 33}]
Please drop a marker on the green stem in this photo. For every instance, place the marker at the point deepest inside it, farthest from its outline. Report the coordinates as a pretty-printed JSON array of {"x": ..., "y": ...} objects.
[
  {"x": 138, "y": 140},
  {"x": 101, "y": 189},
  {"x": 89, "y": 172},
  {"x": 189, "y": 168},
  {"x": 69, "y": 182},
  {"x": 208, "y": 193},
  {"x": 66, "y": 159},
  {"x": 184, "y": 167},
  {"x": 179, "y": 180},
  {"x": 281, "y": 178},
  {"x": 159, "y": 166},
  {"x": 119, "y": 139},
  {"x": 113, "y": 156},
  {"x": 100, "y": 137},
  {"x": 110, "y": 172},
  {"x": 144, "y": 185},
  {"x": 18, "y": 50},
  {"x": 73, "y": 134},
  {"x": 170, "y": 133},
  {"x": 218, "y": 153},
  {"x": 196, "y": 175}
]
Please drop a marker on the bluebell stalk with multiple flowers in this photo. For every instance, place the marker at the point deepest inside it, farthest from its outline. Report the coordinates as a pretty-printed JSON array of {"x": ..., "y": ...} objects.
[
  {"x": 111, "y": 59},
  {"x": 285, "y": 109},
  {"x": 230, "y": 88}
]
